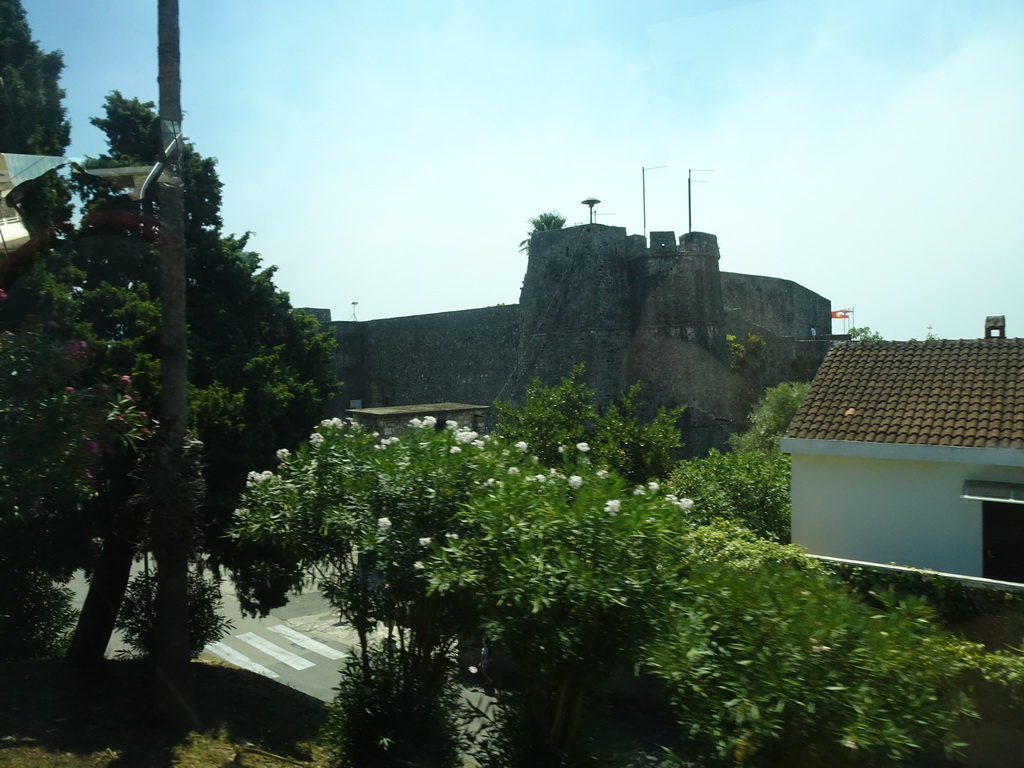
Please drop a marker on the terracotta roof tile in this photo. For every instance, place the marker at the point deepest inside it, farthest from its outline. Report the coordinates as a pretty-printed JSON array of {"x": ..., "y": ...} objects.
[{"x": 962, "y": 393}]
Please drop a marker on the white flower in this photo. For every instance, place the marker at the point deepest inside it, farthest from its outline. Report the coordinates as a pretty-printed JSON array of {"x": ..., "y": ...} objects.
[
  {"x": 380, "y": 447},
  {"x": 415, "y": 423},
  {"x": 383, "y": 523},
  {"x": 335, "y": 422},
  {"x": 283, "y": 454},
  {"x": 582, "y": 447},
  {"x": 490, "y": 481},
  {"x": 685, "y": 504},
  {"x": 639, "y": 491},
  {"x": 575, "y": 481},
  {"x": 613, "y": 506},
  {"x": 418, "y": 565},
  {"x": 465, "y": 436},
  {"x": 315, "y": 439},
  {"x": 478, "y": 443},
  {"x": 451, "y": 424},
  {"x": 455, "y": 449},
  {"x": 561, "y": 449},
  {"x": 521, "y": 445},
  {"x": 602, "y": 473},
  {"x": 513, "y": 470},
  {"x": 255, "y": 478},
  {"x": 429, "y": 421},
  {"x": 425, "y": 541},
  {"x": 653, "y": 487},
  {"x": 391, "y": 440},
  {"x": 451, "y": 536},
  {"x": 540, "y": 478},
  {"x": 850, "y": 744}
]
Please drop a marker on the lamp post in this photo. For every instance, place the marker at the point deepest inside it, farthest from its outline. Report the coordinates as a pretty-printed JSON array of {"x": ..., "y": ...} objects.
[{"x": 591, "y": 201}]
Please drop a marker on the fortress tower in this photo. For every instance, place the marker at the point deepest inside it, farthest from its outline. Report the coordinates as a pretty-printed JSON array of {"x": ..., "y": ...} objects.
[{"x": 663, "y": 315}]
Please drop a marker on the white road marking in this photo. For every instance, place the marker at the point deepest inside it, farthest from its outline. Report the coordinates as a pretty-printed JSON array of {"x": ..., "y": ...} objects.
[
  {"x": 308, "y": 642},
  {"x": 279, "y": 653},
  {"x": 238, "y": 659}
]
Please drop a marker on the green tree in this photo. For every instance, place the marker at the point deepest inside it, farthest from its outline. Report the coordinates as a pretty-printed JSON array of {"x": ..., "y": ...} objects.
[
  {"x": 542, "y": 223},
  {"x": 749, "y": 490},
  {"x": 32, "y": 117},
  {"x": 33, "y": 120},
  {"x": 864, "y": 333},
  {"x": 57, "y": 428},
  {"x": 551, "y": 417},
  {"x": 259, "y": 369},
  {"x": 770, "y": 417},
  {"x": 559, "y": 417}
]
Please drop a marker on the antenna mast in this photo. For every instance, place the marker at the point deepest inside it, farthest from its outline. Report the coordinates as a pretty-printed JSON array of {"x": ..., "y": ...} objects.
[{"x": 689, "y": 204}]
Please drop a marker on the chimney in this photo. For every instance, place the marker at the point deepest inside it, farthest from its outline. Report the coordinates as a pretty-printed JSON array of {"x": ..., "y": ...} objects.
[{"x": 995, "y": 327}]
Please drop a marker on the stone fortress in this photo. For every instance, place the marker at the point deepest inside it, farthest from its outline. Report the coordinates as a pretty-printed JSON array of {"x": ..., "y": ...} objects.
[{"x": 661, "y": 314}]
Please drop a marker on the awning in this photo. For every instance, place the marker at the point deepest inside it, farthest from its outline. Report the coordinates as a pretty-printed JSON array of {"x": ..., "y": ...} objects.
[{"x": 983, "y": 490}]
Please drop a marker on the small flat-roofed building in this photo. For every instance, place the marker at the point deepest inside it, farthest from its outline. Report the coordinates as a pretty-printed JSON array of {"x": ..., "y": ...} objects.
[{"x": 394, "y": 419}]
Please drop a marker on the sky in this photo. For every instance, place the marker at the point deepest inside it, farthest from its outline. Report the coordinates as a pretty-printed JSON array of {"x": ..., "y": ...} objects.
[{"x": 387, "y": 156}]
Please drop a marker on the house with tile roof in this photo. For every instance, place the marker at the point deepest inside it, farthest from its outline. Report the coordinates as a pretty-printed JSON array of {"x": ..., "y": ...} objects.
[{"x": 912, "y": 453}]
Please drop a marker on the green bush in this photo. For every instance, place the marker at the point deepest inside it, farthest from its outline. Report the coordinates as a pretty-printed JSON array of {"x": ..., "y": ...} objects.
[
  {"x": 135, "y": 619},
  {"x": 386, "y": 718},
  {"x": 750, "y": 490},
  {"x": 771, "y": 664},
  {"x": 37, "y": 617}
]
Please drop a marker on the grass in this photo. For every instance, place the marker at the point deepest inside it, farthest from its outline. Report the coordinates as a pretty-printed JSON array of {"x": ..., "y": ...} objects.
[{"x": 52, "y": 716}]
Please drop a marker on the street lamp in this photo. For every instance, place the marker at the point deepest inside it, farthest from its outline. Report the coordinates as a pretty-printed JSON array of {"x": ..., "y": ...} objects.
[{"x": 591, "y": 201}]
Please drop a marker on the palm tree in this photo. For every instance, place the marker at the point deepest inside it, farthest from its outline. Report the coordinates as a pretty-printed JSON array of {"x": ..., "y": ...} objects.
[{"x": 542, "y": 223}]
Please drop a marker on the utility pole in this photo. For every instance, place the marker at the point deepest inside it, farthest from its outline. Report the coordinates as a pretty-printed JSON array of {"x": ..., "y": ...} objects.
[
  {"x": 643, "y": 185},
  {"x": 689, "y": 204},
  {"x": 172, "y": 502}
]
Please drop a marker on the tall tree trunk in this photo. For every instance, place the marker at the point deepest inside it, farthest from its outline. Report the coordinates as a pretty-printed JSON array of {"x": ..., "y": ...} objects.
[
  {"x": 174, "y": 701},
  {"x": 103, "y": 600}
]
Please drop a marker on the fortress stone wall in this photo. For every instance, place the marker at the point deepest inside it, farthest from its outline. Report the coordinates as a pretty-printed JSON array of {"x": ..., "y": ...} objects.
[{"x": 658, "y": 314}]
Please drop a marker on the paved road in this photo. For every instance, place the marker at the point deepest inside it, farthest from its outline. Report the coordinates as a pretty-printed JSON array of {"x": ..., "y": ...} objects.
[{"x": 301, "y": 644}]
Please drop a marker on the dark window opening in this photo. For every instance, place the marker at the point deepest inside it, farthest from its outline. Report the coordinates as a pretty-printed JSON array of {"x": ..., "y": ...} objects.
[{"x": 1002, "y": 535}]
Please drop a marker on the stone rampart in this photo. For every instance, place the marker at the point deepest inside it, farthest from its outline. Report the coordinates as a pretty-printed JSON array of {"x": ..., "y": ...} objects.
[
  {"x": 465, "y": 356},
  {"x": 593, "y": 294}
]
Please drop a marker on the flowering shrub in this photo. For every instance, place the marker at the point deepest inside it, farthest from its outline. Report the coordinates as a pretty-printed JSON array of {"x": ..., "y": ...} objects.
[
  {"x": 55, "y": 431},
  {"x": 575, "y": 573}
]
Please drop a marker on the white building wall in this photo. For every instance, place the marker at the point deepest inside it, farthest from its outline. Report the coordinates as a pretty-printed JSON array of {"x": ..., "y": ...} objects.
[{"x": 892, "y": 511}]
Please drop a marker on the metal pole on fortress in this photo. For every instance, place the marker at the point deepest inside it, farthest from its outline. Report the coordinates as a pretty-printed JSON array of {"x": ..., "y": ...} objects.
[
  {"x": 643, "y": 189},
  {"x": 591, "y": 201},
  {"x": 689, "y": 181}
]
